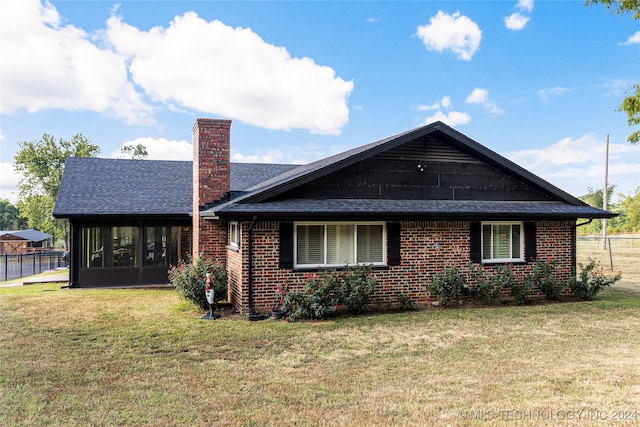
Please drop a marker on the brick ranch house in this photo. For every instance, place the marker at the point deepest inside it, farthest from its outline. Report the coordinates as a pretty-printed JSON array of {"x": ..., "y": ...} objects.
[{"x": 410, "y": 205}]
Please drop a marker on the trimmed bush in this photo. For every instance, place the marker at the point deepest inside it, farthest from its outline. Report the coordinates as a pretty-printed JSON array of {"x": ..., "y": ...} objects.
[
  {"x": 591, "y": 280},
  {"x": 189, "y": 279},
  {"x": 405, "y": 302},
  {"x": 503, "y": 277},
  {"x": 487, "y": 291},
  {"x": 357, "y": 288},
  {"x": 316, "y": 300},
  {"x": 543, "y": 277},
  {"x": 446, "y": 285},
  {"x": 321, "y": 293}
]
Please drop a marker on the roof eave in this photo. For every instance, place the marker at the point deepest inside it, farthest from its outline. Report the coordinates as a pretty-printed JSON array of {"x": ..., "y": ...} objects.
[{"x": 395, "y": 216}]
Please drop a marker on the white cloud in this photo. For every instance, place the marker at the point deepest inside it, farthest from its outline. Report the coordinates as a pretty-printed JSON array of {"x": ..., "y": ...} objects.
[
  {"x": 192, "y": 64},
  {"x": 423, "y": 107},
  {"x": 633, "y": 39},
  {"x": 445, "y": 102},
  {"x": 574, "y": 164},
  {"x": 516, "y": 21},
  {"x": 477, "y": 96},
  {"x": 271, "y": 156},
  {"x": 614, "y": 87},
  {"x": 481, "y": 96},
  {"x": 57, "y": 66},
  {"x": 525, "y": 5},
  {"x": 451, "y": 118},
  {"x": 232, "y": 72},
  {"x": 373, "y": 20},
  {"x": 545, "y": 94},
  {"x": 161, "y": 149},
  {"x": 456, "y": 32},
  {"x": 9, "y": 182}
]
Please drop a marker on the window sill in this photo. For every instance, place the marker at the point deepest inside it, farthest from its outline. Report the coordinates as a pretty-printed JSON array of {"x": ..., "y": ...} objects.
[
  {"x": 311, "y": 269},
  {"x": 233, "y": 248},
  {"x": 513, "y": 262}
]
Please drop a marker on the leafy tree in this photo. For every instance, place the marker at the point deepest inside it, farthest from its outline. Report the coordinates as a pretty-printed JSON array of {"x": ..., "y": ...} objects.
[
  {"x": 41, "y": 164},
  {"x": 37, "y": 210},
  {"x": 631, "y": 104},
  {"x": 10, "y": 218},
  {"x": 137, "y": 152},
  {"x": 630, "y": 211},
  {"x": 595, "y": 199}
]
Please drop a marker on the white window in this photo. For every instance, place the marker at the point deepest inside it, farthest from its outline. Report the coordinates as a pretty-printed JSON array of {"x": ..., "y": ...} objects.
[
  {"x": 234, "y": 235},
  {"x": 339, "y": 244},
  {"x": 502, "y": 242}
]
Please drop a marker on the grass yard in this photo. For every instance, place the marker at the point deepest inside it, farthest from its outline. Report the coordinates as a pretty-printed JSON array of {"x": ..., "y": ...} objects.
[{"x": 143, "y": 357}]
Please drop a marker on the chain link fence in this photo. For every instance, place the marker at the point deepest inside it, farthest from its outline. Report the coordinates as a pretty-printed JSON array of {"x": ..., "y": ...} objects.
[{"x": 617, "y": 252}]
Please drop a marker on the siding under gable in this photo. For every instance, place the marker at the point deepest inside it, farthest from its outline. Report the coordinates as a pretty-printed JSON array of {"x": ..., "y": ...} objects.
[{"x": 423, "y": 169}]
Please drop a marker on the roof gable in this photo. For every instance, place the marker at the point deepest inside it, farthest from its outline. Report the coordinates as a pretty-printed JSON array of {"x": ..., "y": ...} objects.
[
  {"x": 427, "y": 168},
  {"x": 437, "y": 142}
]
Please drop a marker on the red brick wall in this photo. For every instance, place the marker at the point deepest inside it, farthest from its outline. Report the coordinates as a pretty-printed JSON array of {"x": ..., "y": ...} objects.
[
  {"x": 426, "y": 246},
  {"x": 211, "y": 182}
]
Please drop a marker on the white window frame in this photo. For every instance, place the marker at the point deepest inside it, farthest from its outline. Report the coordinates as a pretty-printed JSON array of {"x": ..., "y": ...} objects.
[
  {"x": 234, "y": 235},
  {"x": 382, "y": 263},
  {"x": 490, "y": 259}
]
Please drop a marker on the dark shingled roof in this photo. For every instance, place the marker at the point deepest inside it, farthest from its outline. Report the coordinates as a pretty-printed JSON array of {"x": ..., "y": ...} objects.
[
  {"x": 95, "y": 186},
  {"x": 384, "y": 208}
]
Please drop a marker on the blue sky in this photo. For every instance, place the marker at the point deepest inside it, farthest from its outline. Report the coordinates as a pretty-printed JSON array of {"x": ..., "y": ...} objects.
[{"x": 537, "y": 81}]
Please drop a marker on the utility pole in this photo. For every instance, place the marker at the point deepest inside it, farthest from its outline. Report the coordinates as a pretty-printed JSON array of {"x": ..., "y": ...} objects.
[{"x": 605, "y": 194}]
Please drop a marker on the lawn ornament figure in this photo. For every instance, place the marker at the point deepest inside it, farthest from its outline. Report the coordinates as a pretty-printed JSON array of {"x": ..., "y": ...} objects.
[{"x": 210, "y": 294}]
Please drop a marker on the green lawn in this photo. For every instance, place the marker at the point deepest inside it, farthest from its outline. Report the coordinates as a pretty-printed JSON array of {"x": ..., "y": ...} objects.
[{"x": 143, "y": 357}]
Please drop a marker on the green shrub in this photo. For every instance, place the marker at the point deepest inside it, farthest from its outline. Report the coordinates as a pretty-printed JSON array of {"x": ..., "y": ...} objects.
[
  {"x": 356, "y": 289},
  {"x": 189, "y": 277},
  {"x": 591, "y": 281},
  {"x": 520, "y": 289},
  {"x": 446, "y": 285},
  {"x": 317, "y": 298},
  {"x": 486, "y": 290},
  {"x": 543, "y": 277},
  {"x": 405, "y": 302}
]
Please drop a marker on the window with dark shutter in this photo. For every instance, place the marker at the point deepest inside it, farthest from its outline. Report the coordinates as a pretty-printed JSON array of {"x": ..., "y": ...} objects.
[
  {"x": 393, "y": 243},
  {"x": 286, "y": 245},
  {"x": 475, "y": 242},
  {"x": 530, "y": 241}
]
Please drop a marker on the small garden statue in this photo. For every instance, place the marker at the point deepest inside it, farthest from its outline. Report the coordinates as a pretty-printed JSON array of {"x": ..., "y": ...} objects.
[{"x": 210, "y": 294}]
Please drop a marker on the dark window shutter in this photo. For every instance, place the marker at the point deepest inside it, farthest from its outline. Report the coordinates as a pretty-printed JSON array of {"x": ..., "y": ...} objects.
[
  {"x": 393, "y": 243},
  {"x": 475, "y": 242},
  {"x": 286, "y": 245},
  {"x": 530, "y": 253}
]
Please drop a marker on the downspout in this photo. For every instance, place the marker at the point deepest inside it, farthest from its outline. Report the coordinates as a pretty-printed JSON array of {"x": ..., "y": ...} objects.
[
  {"x": 583, "y": 223},
  {"x": 574, "y": 253},
  {"x": 250, "y": 269}
]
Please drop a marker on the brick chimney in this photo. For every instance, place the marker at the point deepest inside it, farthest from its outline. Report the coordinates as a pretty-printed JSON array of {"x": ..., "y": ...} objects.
[{"x": 211, "y": 183}]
